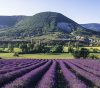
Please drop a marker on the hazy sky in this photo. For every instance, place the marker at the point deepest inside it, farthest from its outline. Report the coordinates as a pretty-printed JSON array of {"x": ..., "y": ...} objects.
[{"x": 81, "y": 11}]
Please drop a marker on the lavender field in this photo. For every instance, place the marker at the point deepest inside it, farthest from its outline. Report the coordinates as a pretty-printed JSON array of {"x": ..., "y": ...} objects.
[{"x": 29, "y": 73}]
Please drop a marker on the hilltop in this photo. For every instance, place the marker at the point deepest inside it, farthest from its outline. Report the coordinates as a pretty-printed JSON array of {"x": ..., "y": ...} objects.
[{"x": 44, "y": 24}]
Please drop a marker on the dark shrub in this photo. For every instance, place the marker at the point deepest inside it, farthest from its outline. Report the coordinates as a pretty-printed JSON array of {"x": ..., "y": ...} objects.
[
  {"x": 83, "y": 53},
  {"x": 16, "y": 54},
  {"x": 92, "y": 56},
  {"x": 76, "y": 53}
]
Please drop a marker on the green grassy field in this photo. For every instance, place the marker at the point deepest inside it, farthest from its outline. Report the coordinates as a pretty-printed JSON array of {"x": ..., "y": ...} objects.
[{"x": 38, "y": 56}]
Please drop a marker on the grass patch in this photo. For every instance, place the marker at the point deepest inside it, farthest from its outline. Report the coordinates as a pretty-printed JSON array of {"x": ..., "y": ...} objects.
[
  {"x": 41, "y": 56},
  {"x": 38, "y": 56}
]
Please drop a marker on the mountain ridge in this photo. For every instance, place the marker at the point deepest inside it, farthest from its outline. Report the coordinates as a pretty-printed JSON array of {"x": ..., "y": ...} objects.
[
  {"x": 92, "y": 26},
  {"x": 43, "y": 24}
]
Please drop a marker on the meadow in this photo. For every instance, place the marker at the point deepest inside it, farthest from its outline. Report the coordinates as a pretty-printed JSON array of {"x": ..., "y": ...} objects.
[{"x": 38, "y": 56}]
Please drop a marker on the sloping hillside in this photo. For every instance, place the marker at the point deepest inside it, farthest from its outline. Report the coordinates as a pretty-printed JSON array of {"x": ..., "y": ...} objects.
[
  {"x": 45, "y": 23},
  {"x": 9, "y": 21}
]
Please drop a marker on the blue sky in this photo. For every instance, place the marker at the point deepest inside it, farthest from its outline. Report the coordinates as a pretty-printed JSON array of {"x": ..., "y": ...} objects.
[{"x": 81, "y": 11}]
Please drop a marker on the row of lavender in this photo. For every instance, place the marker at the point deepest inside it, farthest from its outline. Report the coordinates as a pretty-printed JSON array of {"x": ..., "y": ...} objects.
[{"x": 29, "y": 73}]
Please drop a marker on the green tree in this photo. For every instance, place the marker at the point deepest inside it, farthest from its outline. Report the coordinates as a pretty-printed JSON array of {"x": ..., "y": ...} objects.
[
  {"x": 30, "y": 47},
  {"x": 38, "y": 48},
  {"x": 76, "y": 53},
  {"x": 10, "y": 48},
  {"x": 70, "y": 49},
  {"x": 83, "y": 53},
  {"x": 24, "y": 48},
  {"x": 57, "y": 49}
]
